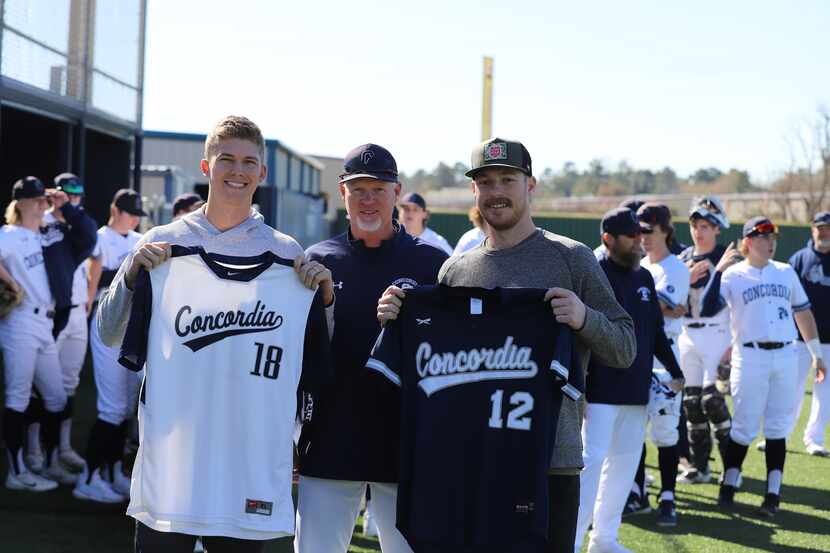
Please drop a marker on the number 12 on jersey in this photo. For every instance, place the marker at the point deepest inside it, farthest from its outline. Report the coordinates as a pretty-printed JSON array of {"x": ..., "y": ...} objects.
[{"x": 518, "y": 417}]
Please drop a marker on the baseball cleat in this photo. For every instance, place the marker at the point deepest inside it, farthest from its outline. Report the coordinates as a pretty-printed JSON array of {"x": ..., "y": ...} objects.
[
  {"x": 695, "y": 476},
  {"x": 769, "y": 508},
  {"x": 667, "y": 513},
  {"x": 94, "y": 488},
  {"x": 636, "y": 505},
  {"x": 817, "y": 450},
  {"x": 71, "y": 460},
  {"x": 726, "y": 496},
  {"x": 58, "y": 472},
  {"x": 35, "y": 461},
  {"x": 761, "y": 446},
  {"x": 28, "y": 481},
  {"x": 120, "y": 481},
  {"x": 607, "y": 547}
]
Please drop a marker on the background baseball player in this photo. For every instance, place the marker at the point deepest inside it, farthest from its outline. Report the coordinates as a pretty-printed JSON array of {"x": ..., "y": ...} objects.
[
  {"x": 475, "y": 235},
  {"x": 764, "y": 297},
  {"x": 671, "y": 282},
  {"x": 103, "y": 480},
  {"x": 812, "y": 264},
  {"x": 615, "y": 416},
  {"x": 29, "y": 353},
  {"x": 704, "y": 340},
  {"x": 415, "y": 216},
  {"x": 68, "y": 237}
]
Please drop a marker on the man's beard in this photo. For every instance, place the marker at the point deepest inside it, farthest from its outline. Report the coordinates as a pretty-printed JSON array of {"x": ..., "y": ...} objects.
[
  {"x": 822, "y": 244},
  {"x": 630, "y": 259},
  {"x": 368, "y": 227},
  {"x": 504, "y": 225}
]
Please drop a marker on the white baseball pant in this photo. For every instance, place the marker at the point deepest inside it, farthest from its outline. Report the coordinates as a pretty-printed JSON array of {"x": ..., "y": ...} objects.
[
  {"x": 763, "y": 384},
  {"x": 820, "y": 405},
  {"x": 701, "y": 350},
  {"x": 613, "y": 438},
  {"x": 117, "y": 387},
  {"x": 327, "y": 510},
  {"x": 71, "y": 345},
  {"x": 30, "y": 357},
  {"x": 664, "y": 412}
]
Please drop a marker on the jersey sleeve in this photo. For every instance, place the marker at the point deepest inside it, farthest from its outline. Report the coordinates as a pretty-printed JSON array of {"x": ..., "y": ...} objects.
[
  {"x": 133, "y": 353},
  {"x": 385, "y": 357},
  {"x": 565, "y": 365},
  {"x": 798, "y": 299},
  {"x": 317, "y": 362}
]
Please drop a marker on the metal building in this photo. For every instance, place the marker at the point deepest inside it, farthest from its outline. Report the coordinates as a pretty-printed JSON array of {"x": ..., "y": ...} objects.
[
  {"x": 71, "y": 86},
  {"x": 290, "y": 198}
]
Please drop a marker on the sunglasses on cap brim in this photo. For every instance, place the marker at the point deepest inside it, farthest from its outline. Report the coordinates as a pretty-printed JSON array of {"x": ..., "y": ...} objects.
[
  {"x": 763, "y": 228},
  {"x": 709, "y": 206}
]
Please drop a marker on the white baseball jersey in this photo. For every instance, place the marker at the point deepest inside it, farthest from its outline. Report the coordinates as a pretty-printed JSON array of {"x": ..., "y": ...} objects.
[
  {"x": 671, "y": 281},
  {"x": 225, "y": 342},
  {"x": 112, "y": 248},
  {"x": 762, "y": 301},
  {"x": 80, "y": 285},
  {"x": 469, "y": 240},
  {"x": 22, "y": 256},
  {"x": 434, "y": 239}
]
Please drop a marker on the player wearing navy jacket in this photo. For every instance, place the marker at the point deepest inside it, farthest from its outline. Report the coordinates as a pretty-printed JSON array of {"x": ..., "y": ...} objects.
[
  {"x": 615, "y": 417},
  {"x": 354, "y": 437},
  {"x": 813, "y": 267}
]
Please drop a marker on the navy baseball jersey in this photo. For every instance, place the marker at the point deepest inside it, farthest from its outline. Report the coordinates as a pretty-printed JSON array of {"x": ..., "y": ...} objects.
[
  {"x": 227, "y": 344},
  {"x": 482, "y": 375},
  {"x": 717, "y": 312}
]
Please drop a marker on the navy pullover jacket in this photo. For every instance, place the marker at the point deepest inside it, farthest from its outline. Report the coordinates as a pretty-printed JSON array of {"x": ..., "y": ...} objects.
[
  {"x": 813, "y": 269},
  {"x": 634, "y": 289},
  {"x": 65, "y": 246},
  {"x": 355, "y": 430}
]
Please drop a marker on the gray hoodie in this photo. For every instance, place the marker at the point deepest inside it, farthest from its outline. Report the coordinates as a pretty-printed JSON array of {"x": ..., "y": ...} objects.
[{"x": 251, "y": 237}]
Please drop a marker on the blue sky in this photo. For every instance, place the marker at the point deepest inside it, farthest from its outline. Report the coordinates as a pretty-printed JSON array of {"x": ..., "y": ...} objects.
[{"x": 655, "y": 83}]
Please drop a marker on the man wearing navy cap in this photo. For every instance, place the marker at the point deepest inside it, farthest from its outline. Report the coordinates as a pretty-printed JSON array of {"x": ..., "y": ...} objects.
[
  {"x": 186, "y": 203},
  {"x": 615, "y": 416},
  {"x": 812, "y": 264},
  {"x": 415, "y": 217},
  {"x": 353, "y": 438}
]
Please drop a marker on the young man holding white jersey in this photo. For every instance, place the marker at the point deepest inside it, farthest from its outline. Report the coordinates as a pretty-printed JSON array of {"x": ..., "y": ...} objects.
[{"x": 765, "y": 297}]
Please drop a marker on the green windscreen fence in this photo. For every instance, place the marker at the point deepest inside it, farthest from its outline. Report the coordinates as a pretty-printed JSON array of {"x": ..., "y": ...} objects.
[{"x": 451, "y": 225}]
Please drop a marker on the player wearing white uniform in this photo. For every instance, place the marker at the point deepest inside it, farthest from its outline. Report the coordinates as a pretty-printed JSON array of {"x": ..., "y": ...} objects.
[
  {"x": 764, "y": 296},
  {"x": 415, "y": 217},
  {"x": 703, "y": 341},
  {"x": 103, "y": 480},
  {"x": 671, "y": 282},
  {"x": 225, "y": 225},
  {"x": 29, "y": 353},
  {"x": 813, "y": 267}
]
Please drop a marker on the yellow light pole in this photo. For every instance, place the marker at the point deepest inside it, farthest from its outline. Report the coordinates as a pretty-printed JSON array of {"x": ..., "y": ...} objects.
[{"x": 487, "y": 100}]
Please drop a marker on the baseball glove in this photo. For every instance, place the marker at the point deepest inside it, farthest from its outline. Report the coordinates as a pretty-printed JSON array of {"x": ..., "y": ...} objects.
[{"x": 9, "y": 298}]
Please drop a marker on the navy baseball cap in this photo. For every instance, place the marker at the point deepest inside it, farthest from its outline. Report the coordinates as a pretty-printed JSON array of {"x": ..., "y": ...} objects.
[
  {"x": 759, "y": 225},
  {"x": 27, "y": 188},
  {"x": 822, "y": 218},
  {"x": 620, "y": 220},
  {"x": 186, "y": 201},
  {"x": 653, "y": 214},
  {"x": 498, "y": 152},
  {"x": 69, "y": 183},
  {"x": 414, "y": 198},
  {"x": 129, "y": 200},
  {"x": 632, "y": 203},
  {"x": 369, "y": 161}
]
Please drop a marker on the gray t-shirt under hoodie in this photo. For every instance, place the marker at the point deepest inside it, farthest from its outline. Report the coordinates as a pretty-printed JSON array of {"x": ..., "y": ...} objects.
[{"x": 547, "y": 260}]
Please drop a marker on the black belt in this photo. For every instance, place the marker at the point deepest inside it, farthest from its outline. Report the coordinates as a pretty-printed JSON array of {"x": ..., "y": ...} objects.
[
  {"x": 701, "y": 325},
  {"x": 766, "y": 345},
  {"x": 49, "y": 314}
]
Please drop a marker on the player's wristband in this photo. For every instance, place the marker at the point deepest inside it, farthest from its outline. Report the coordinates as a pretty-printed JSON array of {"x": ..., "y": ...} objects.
[{"x": 814, "y": 347}]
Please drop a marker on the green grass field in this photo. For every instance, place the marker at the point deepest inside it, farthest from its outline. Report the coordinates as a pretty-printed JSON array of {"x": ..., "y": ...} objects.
[{"x": 57, "y": 523}]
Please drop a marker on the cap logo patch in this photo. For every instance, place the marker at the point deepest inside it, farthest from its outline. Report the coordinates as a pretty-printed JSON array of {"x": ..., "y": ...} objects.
[
  {"x": 367, "y": 156},
  {"x": 496, "y": 150}
]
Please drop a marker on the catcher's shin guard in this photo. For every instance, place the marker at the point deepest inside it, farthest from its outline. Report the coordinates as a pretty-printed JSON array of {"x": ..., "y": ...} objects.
[{"x": 700, "y": 439}]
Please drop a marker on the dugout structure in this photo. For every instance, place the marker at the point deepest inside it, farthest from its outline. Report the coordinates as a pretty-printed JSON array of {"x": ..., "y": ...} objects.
[{"x": 71, "y": 87}]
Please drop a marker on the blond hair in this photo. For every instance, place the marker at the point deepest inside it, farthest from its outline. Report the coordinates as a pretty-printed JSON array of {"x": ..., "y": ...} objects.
[
  {"x": 475, "y": 217},
  {"x": 12, "y": 214},
  {"x": 235, "y": 126},
  {"x": 743, "y": 247}
]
